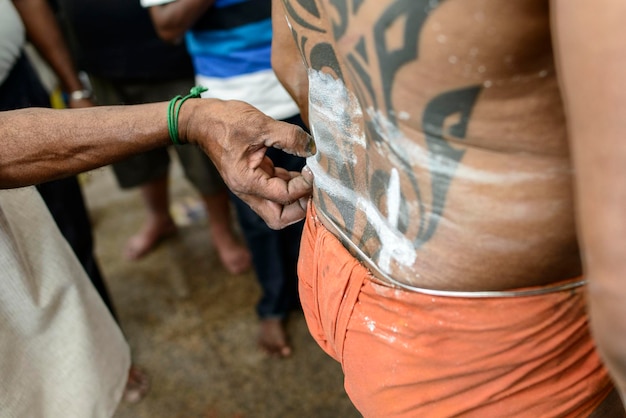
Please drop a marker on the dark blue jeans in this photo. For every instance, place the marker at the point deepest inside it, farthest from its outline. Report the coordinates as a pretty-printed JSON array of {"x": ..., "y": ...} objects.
[{"x": 274, "y": 253}]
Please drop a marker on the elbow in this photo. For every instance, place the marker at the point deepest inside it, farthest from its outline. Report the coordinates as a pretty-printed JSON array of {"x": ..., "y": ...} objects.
[{"x": 171, "y": 36}]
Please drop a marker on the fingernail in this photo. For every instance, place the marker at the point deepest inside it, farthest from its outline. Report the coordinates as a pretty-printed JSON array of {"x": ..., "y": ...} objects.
[
  {"x": 307, "y": 174},
  {"x": 311, "y": 147}
]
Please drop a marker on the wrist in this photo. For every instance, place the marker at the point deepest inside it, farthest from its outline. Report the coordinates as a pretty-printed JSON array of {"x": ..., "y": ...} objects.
[
  {"x": 177, "y": 135},
  {"x": 81, "y": 90},
  {"x": 77, "y": 95},
  {"x": 188, "y": 121}
]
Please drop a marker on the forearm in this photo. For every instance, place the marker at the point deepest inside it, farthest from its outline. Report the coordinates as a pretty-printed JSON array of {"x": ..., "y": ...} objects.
[
  {"x": 172, "y": 20},
  {"x": 45, "y": 144},
  {"x": 45, "y": 34},
  {"x": 592, "y": 67}
]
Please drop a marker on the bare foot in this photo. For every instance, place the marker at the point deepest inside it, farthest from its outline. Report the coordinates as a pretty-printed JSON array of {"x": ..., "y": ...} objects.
[
  {"x": 234, "y": 256},
  {"x": 148, "y": 238},
  {"x": 273, "y": 338},
  {"x": 137, "y": 385}
]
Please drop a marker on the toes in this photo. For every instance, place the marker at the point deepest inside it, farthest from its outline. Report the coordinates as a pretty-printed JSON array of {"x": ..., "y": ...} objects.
[
  {"x": 145, "y": 241},
  {"x": 273, "y": 338},
  {"x": 236, "y": 260},
  {"x": 137, "y": 385}
]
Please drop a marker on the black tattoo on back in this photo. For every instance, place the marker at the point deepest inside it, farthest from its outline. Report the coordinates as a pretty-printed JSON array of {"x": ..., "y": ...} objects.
[{"x": 371, "y": 68}]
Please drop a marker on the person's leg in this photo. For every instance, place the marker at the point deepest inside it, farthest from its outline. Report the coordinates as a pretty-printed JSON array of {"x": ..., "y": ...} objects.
[
  {"x": 277, "y": 294},
  {"x": 148, "y": 171},
  {"x": 65, "y": 202},
  {"x": 234, "y": 256},
  {"x": 201, "y": 172},
  {"x": 158, "y": 223},
  {"x": 275, "y": 257},
  {"x": 64, "y": 198}
]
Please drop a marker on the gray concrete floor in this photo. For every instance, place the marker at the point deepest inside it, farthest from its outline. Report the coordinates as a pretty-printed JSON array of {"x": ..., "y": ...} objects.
[{"x": 192, "y": 326}]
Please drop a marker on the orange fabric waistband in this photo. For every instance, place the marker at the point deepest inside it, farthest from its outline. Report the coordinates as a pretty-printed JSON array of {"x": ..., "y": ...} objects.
[{"x": 407, "y": 354}]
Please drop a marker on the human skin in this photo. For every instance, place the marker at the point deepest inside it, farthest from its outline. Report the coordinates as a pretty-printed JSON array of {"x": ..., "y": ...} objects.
[
  {"x": 45, "y": 144},
  {"x": 172, "y": 20},
  {"x": 444, "y": 153},
  {"x": 592, "y": 65},
  {"x": 45, "y": 34},
  {"x": 425, "y": 112}
]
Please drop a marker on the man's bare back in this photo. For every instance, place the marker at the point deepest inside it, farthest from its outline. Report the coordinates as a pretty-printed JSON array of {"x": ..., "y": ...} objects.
[
  {"x": 443, "y": 159},
  {"x": 448, "y": 168}
]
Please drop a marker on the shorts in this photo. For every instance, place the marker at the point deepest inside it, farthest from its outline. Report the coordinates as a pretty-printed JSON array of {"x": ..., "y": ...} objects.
[{"x": 410, "y": 354}]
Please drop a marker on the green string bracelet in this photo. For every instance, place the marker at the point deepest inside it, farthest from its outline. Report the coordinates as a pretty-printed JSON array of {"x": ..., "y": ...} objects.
[{"x": 173, "y": 109}]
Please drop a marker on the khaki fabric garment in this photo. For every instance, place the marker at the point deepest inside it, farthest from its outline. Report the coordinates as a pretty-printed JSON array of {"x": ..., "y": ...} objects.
[{"x": 61, "y": 353}]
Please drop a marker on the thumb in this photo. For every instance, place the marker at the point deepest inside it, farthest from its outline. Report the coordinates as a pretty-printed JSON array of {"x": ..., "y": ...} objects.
[{"x": 292, "y": 139}]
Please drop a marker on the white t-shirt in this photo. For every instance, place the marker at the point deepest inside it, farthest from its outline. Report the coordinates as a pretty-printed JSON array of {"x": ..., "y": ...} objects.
[
  {"x": 11, "y": 37},
  {"x": 150, "y": 3},
  {"x": 261, "y": 89}
]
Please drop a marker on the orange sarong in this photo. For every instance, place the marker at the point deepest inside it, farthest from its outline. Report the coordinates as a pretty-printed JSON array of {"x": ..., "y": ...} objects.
[{"x": 406, "y": 354}]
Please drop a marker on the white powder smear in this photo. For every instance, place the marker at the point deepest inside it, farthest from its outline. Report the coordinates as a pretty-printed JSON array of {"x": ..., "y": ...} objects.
[{"x": 336, "y": 117}]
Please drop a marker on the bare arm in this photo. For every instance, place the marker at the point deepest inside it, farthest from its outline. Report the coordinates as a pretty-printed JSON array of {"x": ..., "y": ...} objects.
[
  {"x": 287, "y": 61},
  {"x": 589, "y": 37},
  {"x": 45, "y": 34},
  {"x": 172, "y": 20},
  {"x": 45, "y": 144}
]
